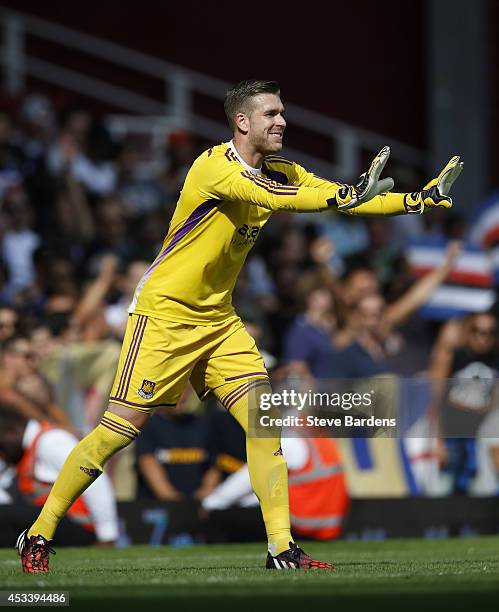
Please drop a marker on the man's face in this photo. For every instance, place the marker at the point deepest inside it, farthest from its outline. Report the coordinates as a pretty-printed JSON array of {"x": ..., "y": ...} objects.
[
  {"x": 265, "y": 123},
  {"x": 370, "y": 312}
]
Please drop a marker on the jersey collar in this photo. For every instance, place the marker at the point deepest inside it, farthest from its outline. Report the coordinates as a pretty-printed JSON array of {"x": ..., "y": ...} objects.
[{"x": 247, "y": 166}]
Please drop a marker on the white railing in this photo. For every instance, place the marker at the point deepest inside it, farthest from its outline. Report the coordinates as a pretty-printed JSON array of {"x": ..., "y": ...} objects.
[{"x": 180, "y": 85}]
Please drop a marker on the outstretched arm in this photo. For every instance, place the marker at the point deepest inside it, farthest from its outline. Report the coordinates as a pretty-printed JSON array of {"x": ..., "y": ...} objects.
[
  {"x": 434, "y": 194},
  {"x": 227, "y": 181}
]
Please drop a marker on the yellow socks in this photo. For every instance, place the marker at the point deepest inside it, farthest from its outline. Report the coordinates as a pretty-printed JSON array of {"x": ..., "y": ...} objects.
[
  {"x": 82, "y": 466},
  {"x": 266, "y": 465},
  {"x": 267, "y": 468}
]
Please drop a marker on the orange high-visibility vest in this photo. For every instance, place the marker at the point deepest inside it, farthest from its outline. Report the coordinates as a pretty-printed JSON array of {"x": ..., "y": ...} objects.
[
  {"x": 318, "y": 495},
  {"x": 37, "y": 491}
]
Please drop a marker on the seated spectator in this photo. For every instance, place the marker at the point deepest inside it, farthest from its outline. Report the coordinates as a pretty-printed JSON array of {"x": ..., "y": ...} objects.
[
  {"x": 79, "y": 365},
  {"x": 22, "y": 387},
  {"x": 38, "y": 450},
  {"x": 470, "y": 395},
  {"x": 229, "y": 439},
  {"x": 175, "y": 454},
  {"x": 308, "y": 342},
  {"x": 365, "y": 354}
]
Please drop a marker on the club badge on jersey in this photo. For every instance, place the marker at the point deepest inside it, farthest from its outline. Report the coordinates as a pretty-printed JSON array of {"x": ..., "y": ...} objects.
[{"x": 147, "y": 389}]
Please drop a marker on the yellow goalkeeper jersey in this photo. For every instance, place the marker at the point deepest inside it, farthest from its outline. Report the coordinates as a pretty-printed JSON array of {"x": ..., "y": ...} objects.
[{"x": 222, "y": 208}]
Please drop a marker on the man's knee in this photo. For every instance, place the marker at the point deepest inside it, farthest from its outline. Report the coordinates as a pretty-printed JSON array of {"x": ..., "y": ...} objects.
[{"x": 137, "y": 418}]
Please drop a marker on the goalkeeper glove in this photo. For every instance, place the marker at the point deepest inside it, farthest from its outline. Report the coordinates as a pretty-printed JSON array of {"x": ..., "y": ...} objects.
[
  {"x": 434, "y": 193},
  {"x": 367, "y": 187}
]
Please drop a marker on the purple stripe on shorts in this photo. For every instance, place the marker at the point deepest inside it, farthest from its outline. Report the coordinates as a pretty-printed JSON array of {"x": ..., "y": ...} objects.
[
  {"x": 129, "y": 356},
  {"x": 245, "y": 375},
  {"x": 252, "y": 386},
  {"x": 130, "y": 372},
  {"x": 139, "y": 327},
  {"x": 117, "y": 399}
]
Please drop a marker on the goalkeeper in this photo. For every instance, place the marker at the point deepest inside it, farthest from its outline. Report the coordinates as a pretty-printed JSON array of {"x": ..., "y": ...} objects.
[{"x": 182, "y": 325}]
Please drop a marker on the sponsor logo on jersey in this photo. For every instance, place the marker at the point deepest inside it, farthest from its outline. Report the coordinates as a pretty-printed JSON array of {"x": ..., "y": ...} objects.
[
  {"x": 147, "y": 389},
  {"x": 249, "y": 233}
]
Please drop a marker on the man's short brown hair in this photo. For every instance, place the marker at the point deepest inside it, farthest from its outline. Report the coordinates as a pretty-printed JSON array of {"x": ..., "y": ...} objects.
[{"x": 237, "y": 98}]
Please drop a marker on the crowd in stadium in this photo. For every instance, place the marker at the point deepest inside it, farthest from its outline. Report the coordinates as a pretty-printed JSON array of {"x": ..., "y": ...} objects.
[{"x": 324, "y": 297}]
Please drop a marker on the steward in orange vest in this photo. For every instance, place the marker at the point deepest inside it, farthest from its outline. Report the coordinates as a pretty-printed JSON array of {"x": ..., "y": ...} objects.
[
  {"x": 36, "y": 491},
  {"x": 318, "y": 495}
]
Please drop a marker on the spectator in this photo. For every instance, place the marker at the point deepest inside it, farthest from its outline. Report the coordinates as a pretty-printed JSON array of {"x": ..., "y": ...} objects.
[
  {"x": 38, "y": 450},
  {"x": 180, "y": 154},
  {"x": 95, "y": 299},
  {"x": 140, "y": 195},
  {"x": 88, "y": 161},
  {"x": 22, "y": 386},
  {"x": 175, "y": 455},
  {"x": 308, "y": 342},
  {"x": 365, "y": 354},
  {"x": 37, "y": 123},
  {"x": 79, "y": 368},
  {"x": 318, "y": 496},
  {"x": 19, "y": 241},
  {"x": 372, "y": 322},
  {"x": 112, "y": 236},
  {"x": 471, "y": 394}
]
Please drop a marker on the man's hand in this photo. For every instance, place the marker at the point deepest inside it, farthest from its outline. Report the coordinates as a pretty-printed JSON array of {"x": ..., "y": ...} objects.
[
  {"x": 368, "y": 186},
  {"x": 435, "y": 193}
]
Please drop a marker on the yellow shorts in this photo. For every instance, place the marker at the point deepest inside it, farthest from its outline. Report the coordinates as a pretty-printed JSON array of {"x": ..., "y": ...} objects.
[{"x": 158, "y": 358}]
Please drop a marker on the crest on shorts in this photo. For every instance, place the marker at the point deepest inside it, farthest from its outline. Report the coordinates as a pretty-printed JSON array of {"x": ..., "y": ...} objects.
[{"x": 147, "y": 389}]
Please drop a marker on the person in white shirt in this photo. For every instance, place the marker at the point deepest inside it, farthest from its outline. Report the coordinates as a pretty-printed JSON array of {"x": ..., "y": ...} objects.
[{"x": 38, "y": 449}]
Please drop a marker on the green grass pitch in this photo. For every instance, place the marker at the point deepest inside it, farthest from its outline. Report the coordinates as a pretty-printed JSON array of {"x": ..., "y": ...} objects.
[{"x": 455, "y": 574}]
